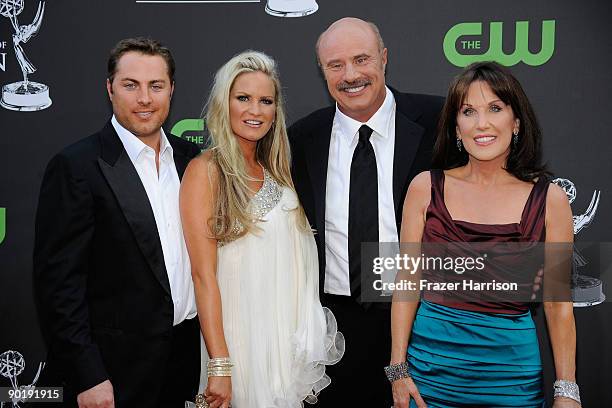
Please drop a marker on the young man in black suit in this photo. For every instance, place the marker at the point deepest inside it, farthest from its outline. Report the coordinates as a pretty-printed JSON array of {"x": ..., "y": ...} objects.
[
  {"x": 111, "y": 271},
  {"x": 352, "y": 164}
]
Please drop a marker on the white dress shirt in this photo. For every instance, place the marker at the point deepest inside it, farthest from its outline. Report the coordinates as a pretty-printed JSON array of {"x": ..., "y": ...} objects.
[
  {"x": 163, "y": 192},
  {"x": 344, "y": 138}
]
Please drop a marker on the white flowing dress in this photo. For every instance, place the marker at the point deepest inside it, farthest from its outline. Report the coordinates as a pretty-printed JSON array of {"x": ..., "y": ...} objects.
[{"x": 279, "y": 336}]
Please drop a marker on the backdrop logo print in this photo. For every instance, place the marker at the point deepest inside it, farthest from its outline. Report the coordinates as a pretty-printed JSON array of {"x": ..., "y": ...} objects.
[
  {"x": 495, "y": 51},
  {"x": 24, "y": 95},
  {"x": 278, "y": 8},
  {"x": 291, "y": 8},
  {"x": 2, "y": 224},
  {"x": 586, "y": 290},
  {"x": 191, "y": 130},
  {"x": 3, "y": 56}
]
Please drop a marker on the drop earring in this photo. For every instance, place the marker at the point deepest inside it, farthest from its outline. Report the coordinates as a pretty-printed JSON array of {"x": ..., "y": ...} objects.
[
  {"x": 459, "y": 144},
  {"x": 515, "y": 137}
]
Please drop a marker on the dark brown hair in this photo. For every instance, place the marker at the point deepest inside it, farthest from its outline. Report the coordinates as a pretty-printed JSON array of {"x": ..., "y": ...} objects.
[
  {"x": 525, "y": 159},
  {"x": 142, "y": 45}
]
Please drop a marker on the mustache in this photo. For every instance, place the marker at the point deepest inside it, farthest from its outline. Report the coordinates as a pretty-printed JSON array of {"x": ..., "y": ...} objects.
[{"x": 342, "y": 86}]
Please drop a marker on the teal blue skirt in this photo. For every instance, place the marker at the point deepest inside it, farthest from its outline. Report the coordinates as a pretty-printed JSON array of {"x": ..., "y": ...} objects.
[{"x": 460, "y": 358}]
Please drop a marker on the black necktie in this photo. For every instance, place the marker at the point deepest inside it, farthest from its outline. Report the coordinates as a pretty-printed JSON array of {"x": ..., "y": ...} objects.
[{"x": 363, "y": 206}]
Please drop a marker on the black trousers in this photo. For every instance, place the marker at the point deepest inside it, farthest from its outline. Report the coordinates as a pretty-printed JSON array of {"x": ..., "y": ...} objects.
[
  {"x": 182, "y": 373},
  {"x": 145, "y": 379},
  {"x": 359, "y": 380}
]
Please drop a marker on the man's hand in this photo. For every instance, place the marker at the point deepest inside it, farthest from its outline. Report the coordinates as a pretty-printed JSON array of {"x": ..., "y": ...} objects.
[{"x": 100, "y": 396}]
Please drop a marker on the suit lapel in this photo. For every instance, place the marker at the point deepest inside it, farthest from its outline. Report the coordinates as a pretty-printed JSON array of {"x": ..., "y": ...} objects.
[
  {"x": 123, "y": 179},
  {"x": 408, "y": 136},
  {"x": 318, "y": 156}
]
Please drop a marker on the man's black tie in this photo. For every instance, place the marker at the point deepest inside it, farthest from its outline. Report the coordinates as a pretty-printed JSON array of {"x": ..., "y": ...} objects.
[{"x": 363, "y": 206}]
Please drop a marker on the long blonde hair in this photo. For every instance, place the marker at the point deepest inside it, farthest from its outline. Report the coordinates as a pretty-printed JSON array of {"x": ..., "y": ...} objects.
[{"x": 232, "y": 189}]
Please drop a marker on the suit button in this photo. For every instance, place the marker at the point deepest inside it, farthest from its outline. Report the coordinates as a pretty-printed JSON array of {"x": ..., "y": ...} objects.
[{"x": 168, "y": 298}]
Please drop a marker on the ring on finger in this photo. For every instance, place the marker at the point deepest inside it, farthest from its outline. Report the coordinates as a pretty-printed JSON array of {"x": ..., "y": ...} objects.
[{"x": 200, "y": 402}]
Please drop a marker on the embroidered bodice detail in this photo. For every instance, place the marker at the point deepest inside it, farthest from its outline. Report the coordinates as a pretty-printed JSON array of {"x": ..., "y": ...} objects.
[
  {"x": 268, "y": 196},
  {"x": 264, "y": 201}
]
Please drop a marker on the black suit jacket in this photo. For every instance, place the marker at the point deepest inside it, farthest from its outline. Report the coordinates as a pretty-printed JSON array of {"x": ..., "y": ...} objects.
[
  {"x": 416, "y": 119},
  {"x": 100, "y": 281}
]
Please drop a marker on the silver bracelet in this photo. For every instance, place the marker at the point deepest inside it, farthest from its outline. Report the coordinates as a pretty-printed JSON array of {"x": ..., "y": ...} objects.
[
  {"x": 567, "y": 389},
  {"x": 396, "y": 372}
]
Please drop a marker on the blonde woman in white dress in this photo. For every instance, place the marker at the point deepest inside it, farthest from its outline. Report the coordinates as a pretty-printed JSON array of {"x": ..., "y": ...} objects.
[{"x": 253, "y": 256}]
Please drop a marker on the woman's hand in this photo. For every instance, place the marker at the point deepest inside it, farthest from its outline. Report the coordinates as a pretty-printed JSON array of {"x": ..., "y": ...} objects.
[
  {"x": 218, "y": 393},
  {"x": 562, "y": 402},
  {"x": 403, "y": 390}
]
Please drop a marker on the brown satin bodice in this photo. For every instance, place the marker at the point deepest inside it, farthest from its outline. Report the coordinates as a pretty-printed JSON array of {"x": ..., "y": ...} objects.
[{"x": 441, "y": 228}]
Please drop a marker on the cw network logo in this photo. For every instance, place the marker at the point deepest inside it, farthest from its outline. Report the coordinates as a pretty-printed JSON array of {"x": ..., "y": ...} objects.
[
  {"x": 191, "y": 130},
  {"x": 2, "y": 224},
  {"x": 454, "y": 47}
]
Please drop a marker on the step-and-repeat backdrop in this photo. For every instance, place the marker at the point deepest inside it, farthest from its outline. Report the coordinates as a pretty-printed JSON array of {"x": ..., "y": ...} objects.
[{"x": 561, "y": 51}]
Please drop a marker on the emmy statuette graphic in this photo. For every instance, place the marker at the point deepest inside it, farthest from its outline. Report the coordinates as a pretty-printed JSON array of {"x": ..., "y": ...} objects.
[
  {"x": 12, "y": 364},
  {"x": 586, "y": 290},
  {"x": 24, "y": 95},
  {"x": 291, "y": 8}
]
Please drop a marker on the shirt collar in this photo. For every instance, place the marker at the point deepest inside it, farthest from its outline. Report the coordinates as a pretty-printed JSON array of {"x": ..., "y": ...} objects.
[
  {"x": 379, "y": 122},
  {"x": 134, "y": 146}
]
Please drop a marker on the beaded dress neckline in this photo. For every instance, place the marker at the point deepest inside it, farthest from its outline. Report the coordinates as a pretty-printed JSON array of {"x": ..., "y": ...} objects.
[
  {"x": 263, "y": 201},
  {"x": 266, "y": 198}
]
